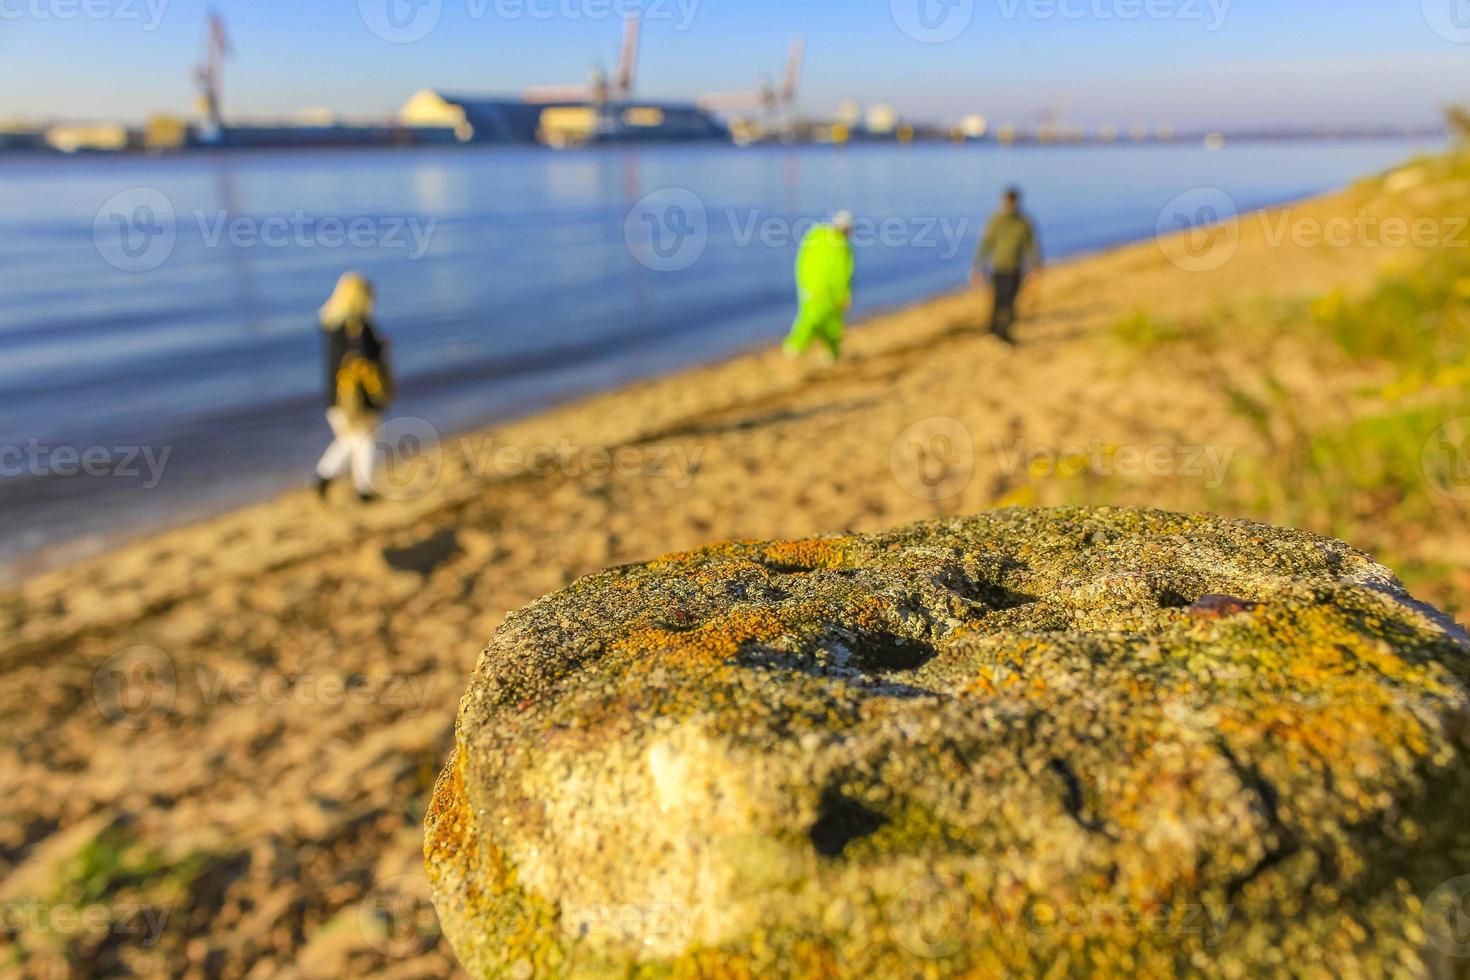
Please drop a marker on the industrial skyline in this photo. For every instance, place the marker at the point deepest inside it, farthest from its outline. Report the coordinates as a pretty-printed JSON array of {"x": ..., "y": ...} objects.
[{"x": 1189, "y": 63}]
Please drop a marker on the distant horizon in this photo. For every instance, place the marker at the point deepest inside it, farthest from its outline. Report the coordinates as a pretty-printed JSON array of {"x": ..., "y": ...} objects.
[{"x": 1194, "y": 65}]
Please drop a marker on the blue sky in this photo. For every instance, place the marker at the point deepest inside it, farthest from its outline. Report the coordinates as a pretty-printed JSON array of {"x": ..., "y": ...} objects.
[{"x": 1185, "y": 62}]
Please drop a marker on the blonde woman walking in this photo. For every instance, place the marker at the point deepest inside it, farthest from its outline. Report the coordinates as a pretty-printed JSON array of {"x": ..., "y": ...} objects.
[{"x": 359, "y": 386}]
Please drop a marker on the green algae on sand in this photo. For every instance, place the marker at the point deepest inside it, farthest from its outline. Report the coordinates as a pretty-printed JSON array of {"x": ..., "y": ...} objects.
[{"x": 1042, "y": 741}]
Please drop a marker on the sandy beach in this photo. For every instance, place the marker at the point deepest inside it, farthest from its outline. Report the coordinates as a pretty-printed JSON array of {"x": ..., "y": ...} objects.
[{"x": 224, "y": 736}]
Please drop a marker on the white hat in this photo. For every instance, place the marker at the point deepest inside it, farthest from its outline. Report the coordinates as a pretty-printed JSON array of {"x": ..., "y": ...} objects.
[{"x": 842, "y": 221}]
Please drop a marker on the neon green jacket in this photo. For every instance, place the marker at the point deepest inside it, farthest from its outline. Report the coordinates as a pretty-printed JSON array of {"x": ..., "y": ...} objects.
[{"x": 824, "y": 268}]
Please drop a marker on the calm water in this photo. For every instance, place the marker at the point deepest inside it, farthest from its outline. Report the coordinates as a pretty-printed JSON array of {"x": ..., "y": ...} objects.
[{"x": 167, "y": 306}]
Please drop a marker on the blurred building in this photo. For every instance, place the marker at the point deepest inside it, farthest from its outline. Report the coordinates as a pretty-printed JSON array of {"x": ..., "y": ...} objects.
[
  {"x": 15, "y": 135},
  {"x": 89, "y": 138},
  {"x": 569, "y": 122},
  {"x": 974, "y": 127},
  {"x": 166, "y": 133},
  {"x": 881, "y": 120}
]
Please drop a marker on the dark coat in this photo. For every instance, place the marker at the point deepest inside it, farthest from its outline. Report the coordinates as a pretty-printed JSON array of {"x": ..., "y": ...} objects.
[{"x": 342, "y": 343}]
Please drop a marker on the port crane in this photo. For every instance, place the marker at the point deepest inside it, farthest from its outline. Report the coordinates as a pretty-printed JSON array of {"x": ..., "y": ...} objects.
[
  {"x": 210, "y": 78},
  {"x": 774, "y": 103},
  {"x": 599, "y": 90}
]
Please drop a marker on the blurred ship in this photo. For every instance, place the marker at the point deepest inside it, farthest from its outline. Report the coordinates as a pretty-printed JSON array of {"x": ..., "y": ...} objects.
[{"x": 604, "y": 110}]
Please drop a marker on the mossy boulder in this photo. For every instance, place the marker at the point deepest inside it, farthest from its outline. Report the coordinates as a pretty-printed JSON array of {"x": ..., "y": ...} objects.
[{"x": 1062, "y": 742}]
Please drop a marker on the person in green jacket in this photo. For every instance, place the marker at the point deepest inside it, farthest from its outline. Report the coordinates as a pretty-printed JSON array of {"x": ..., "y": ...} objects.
[
  {"x": 824, "y": 287},
  {"x": 1009, "y": 250}
]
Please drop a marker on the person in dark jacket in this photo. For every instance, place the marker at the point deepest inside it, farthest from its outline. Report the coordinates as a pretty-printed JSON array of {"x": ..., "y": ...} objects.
[
  {"x": 1009, "y": 251},
  {"x": 358, "y": 385}
]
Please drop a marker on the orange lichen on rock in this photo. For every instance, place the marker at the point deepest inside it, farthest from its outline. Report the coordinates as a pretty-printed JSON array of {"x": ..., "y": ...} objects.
[{"x": 782, "y": 759}]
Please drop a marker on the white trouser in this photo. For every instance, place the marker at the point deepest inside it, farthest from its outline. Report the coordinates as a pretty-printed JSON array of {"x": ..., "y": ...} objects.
[{"x": 355, "y": 447}]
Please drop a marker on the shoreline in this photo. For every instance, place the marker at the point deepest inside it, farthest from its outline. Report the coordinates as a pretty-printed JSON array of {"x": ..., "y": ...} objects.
[
  {"x": 1191, "y": 140},
  {"x": 68, "y": 553},
  {"x": 180, "y": 700},
  {"x": 692, "y": 387}
]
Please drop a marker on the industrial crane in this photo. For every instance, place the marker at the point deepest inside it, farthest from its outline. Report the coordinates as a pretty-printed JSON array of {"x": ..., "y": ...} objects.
[
  {"x": 599, "y": 90},
  {"x": 210, "y": 78},
  {"x": 776, "y": 104}
]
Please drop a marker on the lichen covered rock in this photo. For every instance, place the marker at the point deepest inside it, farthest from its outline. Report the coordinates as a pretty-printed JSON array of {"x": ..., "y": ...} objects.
[{"x": 1075, "y": 741}]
